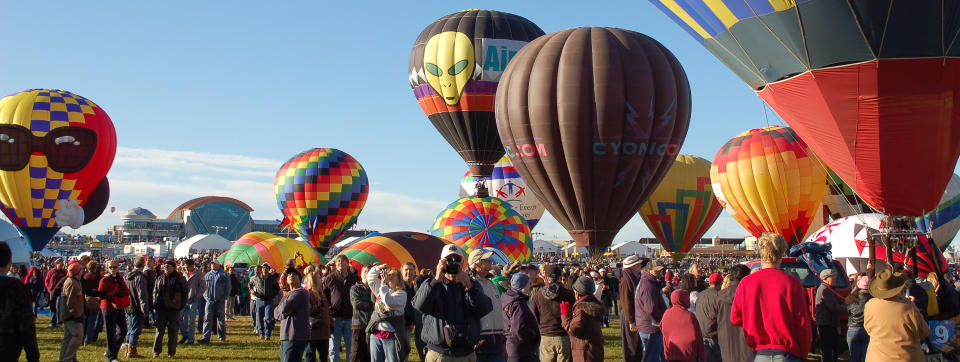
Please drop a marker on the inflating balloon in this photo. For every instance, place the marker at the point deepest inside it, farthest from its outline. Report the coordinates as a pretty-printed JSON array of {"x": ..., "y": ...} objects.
[
  {"x": 592, "y": 119},
  {"x": 455, "y": 67},
  {"x": 869, "y": 85},
  {"x": 943, "y": 222},
  {"x": 841, "y": 200},
  {"x": 396, "y": 248},
  {"x": 321, "y": 192},
  {"x": 54, "y": 145},
  {"x": 770, "y": 181},
  {"x": 476, "y": 222},
  {"x": 259, "y": 247},
  {"x": 506, "y": 184},
  {"x": 682, "y": 207}
]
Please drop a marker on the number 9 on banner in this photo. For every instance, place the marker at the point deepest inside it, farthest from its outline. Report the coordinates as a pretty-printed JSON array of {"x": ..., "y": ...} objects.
[{"x": 943, "y": 332}]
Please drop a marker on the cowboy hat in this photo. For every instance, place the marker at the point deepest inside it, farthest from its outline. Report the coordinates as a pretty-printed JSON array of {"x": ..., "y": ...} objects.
[{"x": 887, "y": 284}]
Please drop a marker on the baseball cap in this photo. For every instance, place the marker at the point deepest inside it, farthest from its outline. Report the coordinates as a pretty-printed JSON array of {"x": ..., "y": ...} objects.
[
  {"x": 450, "y": 249},
  {"x": 826, "y": 273},
  {"x": 479, "y": 254},
  {"x": 716, "y": 278}
]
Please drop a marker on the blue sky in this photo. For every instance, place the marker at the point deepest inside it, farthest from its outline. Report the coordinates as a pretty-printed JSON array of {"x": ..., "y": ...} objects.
[{"x": 210, "y": 97}]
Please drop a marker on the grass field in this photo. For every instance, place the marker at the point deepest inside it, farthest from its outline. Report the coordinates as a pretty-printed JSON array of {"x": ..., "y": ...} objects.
[{"x": 241, "y": 345}]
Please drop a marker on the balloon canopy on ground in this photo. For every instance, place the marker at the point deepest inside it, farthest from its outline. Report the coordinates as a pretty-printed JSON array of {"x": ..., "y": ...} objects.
[
  {"x": 19, "y": 247},
  {"x": 396, "y": 248},
  {"x": 869, "y": 85},
  {"x": 769, "y": 181},
  {"x": 455, "y": 66},
  {"x": 506, "y": 184},
  {"x": 592, "y": 119},
  {"x": 54, "y": 145},
  {"x": 259, "y": 247},
  {"x": 682, "y": 207},
  {"x": 475, "y": 222},
  {"x": 199, "y": 243},
  {"x": 850, "y": 236},
  {"x": 321, "y": 192}
]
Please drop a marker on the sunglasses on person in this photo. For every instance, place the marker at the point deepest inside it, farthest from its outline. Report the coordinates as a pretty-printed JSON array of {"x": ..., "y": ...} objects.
[
  {"x": 455, "y": 258},
  {"x": 68, "y": 149}
]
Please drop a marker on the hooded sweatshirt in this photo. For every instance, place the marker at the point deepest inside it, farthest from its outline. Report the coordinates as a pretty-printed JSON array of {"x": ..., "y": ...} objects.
[
  {"x": 733, "y": 345},
  {"x": 585, "y": 326},
  {"x": 521, "y": 328},
  {"x": 546, "y": 307},
  {"x": 682, "y": 338}
]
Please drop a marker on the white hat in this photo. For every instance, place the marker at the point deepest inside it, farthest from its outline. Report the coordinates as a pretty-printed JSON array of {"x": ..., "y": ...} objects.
[
  {"x": 450, "y": 249},
  {"x": 631, "y": 261}
]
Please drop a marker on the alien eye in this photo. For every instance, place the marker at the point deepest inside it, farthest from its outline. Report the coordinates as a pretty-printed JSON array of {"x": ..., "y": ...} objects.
[
  {"x": 66, "y": 139},
  {"x": 6, "y": 138},
  {"x": 459, "y": 67},
  {"x": 433, "y": 69}
]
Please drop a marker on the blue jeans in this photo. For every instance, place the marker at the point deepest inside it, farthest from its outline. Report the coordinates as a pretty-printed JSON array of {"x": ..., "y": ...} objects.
[
  {"x": 116, "y": 329},
  {"x": 292, "y": 351},
  {"x": 858, "y": 339},
  {"x": 316, "y": 348},
  {"x": 91, "y": 327},
  {"x": 785, "y": 357},
  {"x": 134, "y": 328},
  {"x": 188, "y": 319},
  {"x": 264, "y": 311},
  {"x": 652, "y": 347},
  {"x": 54, "y": 319},
  {"x": 214, "y": 320},
  {"x": 341, "y": 331},
  {"x": 383, "y": 350},
  {"x": 201, "y": 311}
]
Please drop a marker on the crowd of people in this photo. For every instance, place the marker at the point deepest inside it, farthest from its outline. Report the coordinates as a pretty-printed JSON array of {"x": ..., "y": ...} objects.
[{"x": 466, "y": 308}]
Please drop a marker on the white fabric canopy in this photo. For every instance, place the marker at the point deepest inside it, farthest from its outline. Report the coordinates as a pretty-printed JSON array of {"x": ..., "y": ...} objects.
[
  {"x": 18, "y": 246},
  {"x": 201, "y": 242}
]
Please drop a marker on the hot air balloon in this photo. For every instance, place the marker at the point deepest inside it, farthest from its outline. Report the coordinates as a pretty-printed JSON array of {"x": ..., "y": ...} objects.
[
  {"x": 850, "y": 236},
  {"x": 943, "y": 222},
  {"x": 682, "y": 207},
  {"x": 54, "y": 145},
  {"x": 770, "y": 181},
  {"x": 592, "y": 119},
  {"x": 321, "y": 192},
  {"x": 506, "y": 184},
  {"x": 259, "y": 247},
  {"x": 869, "y": 85},
  {"x": 475, "y": 222},
  {"x": 840, "y": 200},
  {"x": 455, "y": 66},
  {"x": 396, "y": 248}
]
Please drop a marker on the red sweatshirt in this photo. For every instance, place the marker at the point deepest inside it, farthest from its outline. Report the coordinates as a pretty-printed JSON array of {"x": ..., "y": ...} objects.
[
  {"x": 682, "y": 338},
  {"x": 771, "y": 307}
]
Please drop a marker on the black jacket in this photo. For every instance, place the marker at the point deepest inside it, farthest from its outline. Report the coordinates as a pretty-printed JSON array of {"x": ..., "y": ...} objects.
[
  {"x": 856, "y": 309},
  {"x": 17, "y": 323},
  {"x": 140, "y": 292},
  {"x": 170, "y": 292},
  {"x": 448, "y": 306},
  {"x": 362, "y": 301},
  {"x": 336, "y": 287}
]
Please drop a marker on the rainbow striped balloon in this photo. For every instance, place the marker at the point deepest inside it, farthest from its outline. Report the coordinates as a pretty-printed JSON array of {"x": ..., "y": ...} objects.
[
  {"x": 396, "y": 248},
  {"x": 682, "y": 207},
  {"x": 259, "y": 247},
  {"x": 321, "y": 192},
  {"x": 473, "y": 222}
]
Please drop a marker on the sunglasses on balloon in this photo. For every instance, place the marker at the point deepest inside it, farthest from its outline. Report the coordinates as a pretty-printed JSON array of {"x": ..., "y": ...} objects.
[{"x": 68, "y": 149}]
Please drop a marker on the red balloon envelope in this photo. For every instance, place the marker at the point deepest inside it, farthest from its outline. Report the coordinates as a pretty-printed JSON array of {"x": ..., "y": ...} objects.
[
  {"x": 871, "y": 86},
  {"x": 593, "y": 118}
]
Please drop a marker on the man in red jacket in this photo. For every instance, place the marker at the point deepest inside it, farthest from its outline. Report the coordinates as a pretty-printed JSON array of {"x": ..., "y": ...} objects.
[
  {"x": 771, "y": 307},
  {"x": 51, "y": 282}
]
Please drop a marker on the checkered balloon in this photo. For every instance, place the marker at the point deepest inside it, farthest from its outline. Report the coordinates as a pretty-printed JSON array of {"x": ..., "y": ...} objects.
[
  {"x": 476, "y": 222},
  {"x": 54, "y": 145},
  {"x": 321, "y": 192}
]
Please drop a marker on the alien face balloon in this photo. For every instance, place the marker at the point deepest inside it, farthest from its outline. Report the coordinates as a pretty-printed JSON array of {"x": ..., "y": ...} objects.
[{"x": 54, "y": 145}]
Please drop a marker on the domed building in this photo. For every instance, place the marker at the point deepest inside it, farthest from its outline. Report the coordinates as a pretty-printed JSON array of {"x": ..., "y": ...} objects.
[{"x": 141, "y": 225}]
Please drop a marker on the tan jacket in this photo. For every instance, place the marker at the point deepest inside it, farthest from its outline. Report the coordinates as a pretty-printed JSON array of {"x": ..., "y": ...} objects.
[
  {"x": 895, "y": 327},
  {"x": 73, "y": 294}
]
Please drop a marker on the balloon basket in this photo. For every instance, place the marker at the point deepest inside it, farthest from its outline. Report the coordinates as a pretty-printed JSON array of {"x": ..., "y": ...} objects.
[{"x": 677, "y": 256}]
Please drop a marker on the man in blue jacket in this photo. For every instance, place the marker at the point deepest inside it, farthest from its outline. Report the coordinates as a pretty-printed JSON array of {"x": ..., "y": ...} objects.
[
  {"x": 452, "y": 305},
  {"x": 216, "y": 294}
]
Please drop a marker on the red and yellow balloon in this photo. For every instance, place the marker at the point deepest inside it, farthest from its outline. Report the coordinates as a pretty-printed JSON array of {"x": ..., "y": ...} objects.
[{"x": 769, "y": 181}]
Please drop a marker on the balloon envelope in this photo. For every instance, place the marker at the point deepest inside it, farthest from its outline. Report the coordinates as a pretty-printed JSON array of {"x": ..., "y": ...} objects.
[
  {"x": 592, "y": 119},
  {"x": 770, "y": 181},
  {"x": 475, "y": 222},
  {"x": 682, "y": 207},
  {"x": 321, "y": 192},
  {"x": 943, "y": 222},
  {"x": 506, "y": 184},
  {"x": 849, "y": 237},
  {"x": 54, "y": 145},
  {"x": 838, "y": 70},
  {"x": 455, "y": 66},
  {"x": 259, "y": 247},
  {"x": 396, "y": 248}
]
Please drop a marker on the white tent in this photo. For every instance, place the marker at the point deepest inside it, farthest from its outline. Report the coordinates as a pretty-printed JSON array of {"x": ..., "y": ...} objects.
[
  {"x": 545, "y": 246},
  {"x": 632, "y": 248},
  {"x": 18, "y": 245},
  {"x": 201, "y": 242}
]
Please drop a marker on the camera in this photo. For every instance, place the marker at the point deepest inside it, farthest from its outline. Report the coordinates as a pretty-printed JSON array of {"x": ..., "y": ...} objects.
[{"x": 451, "y": 266}]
